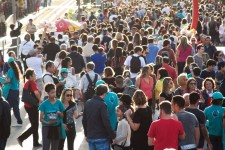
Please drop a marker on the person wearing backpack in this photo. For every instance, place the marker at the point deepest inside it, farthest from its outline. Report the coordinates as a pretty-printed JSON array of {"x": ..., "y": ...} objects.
[
  {"x": 88, "y": 81},
  {"x": 5, "y": 116},
  {"x": 135, "y": 62},
  {"x": 48, "y": 77}
]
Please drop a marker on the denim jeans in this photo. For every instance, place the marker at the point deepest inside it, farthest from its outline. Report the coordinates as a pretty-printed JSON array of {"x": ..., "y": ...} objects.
[
  {"x": 98, "y": 144},
  {"x": 3, "y": 143},
  {"x": 13, "y": 99}
]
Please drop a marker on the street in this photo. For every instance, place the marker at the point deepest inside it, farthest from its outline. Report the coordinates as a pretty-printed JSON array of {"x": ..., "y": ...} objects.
[{"x": 50, "y": 14}]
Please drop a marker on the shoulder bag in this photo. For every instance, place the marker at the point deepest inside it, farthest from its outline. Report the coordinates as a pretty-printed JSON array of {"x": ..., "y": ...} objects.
[{"x": 29, "y": 97}]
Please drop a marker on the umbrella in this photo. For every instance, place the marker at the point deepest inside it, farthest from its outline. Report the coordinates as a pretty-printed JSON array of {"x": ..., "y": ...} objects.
[{"x": 63, "y": 25}]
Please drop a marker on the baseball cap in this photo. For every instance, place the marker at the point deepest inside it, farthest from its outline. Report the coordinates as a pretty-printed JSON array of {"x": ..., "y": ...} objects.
[
  {"x": 217, "y": 95},
  {"x": 99, "y": 82},
  {"x": 64, "y": 70},
  {"x": 11, "y": 60}
]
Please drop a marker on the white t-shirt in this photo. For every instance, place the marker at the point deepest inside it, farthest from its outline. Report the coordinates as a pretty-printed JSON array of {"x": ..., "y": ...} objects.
[
  {"x": 128, "y": 60},
  {"x": 166, "y": 9},
  {"x": 36, "y": 64},
  {"x": 25, "y": 47}
]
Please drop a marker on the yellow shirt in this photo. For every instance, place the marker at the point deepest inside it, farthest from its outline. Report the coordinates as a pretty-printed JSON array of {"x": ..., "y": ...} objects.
[{"x": 158, "y": 88}]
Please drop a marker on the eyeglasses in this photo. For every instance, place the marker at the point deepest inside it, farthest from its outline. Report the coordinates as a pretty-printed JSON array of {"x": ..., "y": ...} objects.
[
  {"x": 69, "y": 95},
  {"x": 192, "y": 83}
]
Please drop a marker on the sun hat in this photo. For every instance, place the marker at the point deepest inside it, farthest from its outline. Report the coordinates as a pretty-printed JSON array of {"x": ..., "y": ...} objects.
[
  {"x": 99, "y": 82},
  {"x": 217, "y": 95}
]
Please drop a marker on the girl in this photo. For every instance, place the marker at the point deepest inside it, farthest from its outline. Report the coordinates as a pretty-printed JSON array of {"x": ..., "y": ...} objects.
[
  {"x": 12, "y": 80},
  {"x": 166, "y": 93},
  {"x": 123, "y": 132},
  {"x": 70, "y": 113},
  {"x": 51, "y": 118}
]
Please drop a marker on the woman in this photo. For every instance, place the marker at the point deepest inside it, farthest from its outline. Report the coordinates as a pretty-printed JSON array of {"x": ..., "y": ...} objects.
[
  {"x": 158, "y": 63},
  {"x": 183, "y": 51},
  {"x": 137, "y": 39},
  {"x": 182, "y": 82},
  {"x": 189, "y": 60},
  {"x": 70, "y": 113},
  {"x": 142, "y": 119},
  {"x": 108, "y": 77},
  {"x": 162, "y": 73},
  {"x": 12, "y": 80},
  {"x": 58, "y": 60},
  {"x": 31, "y": 110},
  {"x": 166, "y": 93},
  {"x": 117, "y": 62},
  {"x": 146, "y": 83},
  {"x": 209, "y": 87},
  {"x": 111, "y": 52},
  {"x": 213, "y": 30},
  {"x": 51, "y": 118}
]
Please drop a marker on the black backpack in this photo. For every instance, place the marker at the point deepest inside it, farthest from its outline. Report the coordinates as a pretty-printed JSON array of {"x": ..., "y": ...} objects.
[
  {"x": 222, "y": 87},
  {"x": 135, "y": 64},
  {"x": 91, "y": 87}
]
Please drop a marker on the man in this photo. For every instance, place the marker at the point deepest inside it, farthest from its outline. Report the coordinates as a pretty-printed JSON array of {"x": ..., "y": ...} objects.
[
  {"x": 190, "y": 124},
  {"x": 5, "y": 121},
  {"x": 88, "y": 48},
  {"x": 171, "y": 71},
  {"x": 194, "y": 98},
  {"x": 36, "y": 63},
  {"x": 209, "y": 49},
  {"x": 77, "y": 60},
  {"x": 51, "y": 49},
  {"x": 166, "y": 126},
  {"x": 106, "y": 38},
  {"x": 48, "y": 77},
  {"x": 31, "y": 29},
  {"x": 198, "y": 55},
  {"x": 167, "y": 51},
  {"x": 6, "y": 65},
  {"x": 96, "y": 122},
  {"x": 152, "y": 51},
  {"x": 76, "y": 39},
  {"x": 92, "y": 17},
  {"x": 214, "y": 114},
  {"x": 24, "y": 49},
  {"x": 135, "y": 63},
  {"x": 195, "y": 74},
  {"x": 209, "y": 71},
  {"x": 87, "y": 80}
]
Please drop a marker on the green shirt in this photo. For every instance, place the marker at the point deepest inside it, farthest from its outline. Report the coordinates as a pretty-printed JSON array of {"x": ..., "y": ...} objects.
[
  {"x": 14, "y": 82},
  {"x": 214, "y": 115}
]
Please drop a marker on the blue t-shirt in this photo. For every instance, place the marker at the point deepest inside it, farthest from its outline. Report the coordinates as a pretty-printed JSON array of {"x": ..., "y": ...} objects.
[
  {"x": 14, "y": 82},
  {"x": 214, "y": 114},
  {"x": 99, "y": 60},
  {"x": 50, "y": 110},
  {"x": 152, "y": 53},
  {"x": 112, "y": 102}
]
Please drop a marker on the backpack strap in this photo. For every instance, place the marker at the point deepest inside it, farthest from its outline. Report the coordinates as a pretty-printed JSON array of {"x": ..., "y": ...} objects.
[{"x": 89, "y": 79}]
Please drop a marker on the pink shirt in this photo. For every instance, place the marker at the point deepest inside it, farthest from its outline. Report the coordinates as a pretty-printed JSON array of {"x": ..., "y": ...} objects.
[
  {"x": 147, "y": 87},
  {"x": 184, "y": 53}
]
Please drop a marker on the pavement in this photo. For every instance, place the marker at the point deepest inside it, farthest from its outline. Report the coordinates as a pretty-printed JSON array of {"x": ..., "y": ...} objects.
[{"x": 50, "y": 14}]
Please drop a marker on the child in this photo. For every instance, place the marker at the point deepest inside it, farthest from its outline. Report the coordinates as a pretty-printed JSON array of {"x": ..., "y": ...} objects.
[
  {"x": 123, "y": 132},
  {"x": 51, "y": 118}
]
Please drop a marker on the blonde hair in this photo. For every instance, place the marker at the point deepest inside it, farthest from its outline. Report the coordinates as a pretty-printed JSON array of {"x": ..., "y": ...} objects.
[
  {"x": 182, "y": 75},
  {"x": 165, "y": 86},
  {"x": 183, "y": 43},
  {"x": 119, "y": 36},
  {"x": 205, "y": 57},
  {"x": 62, "y": 97}
]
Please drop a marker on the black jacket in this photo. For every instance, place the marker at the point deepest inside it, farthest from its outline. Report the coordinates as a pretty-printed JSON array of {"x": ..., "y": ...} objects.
[
  {"x": 51, "y": 50},
  {"x": 77, "y": 61},
  {"x": 96, "y": 121},
  {"x": 5, "y": 119}
]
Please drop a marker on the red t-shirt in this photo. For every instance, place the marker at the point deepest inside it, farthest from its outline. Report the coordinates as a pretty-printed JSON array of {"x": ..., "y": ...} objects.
[
  {"x": 171, "y": 71},
  {"x": 165, "y": 133},
  {"x": 33, "y": 87}
]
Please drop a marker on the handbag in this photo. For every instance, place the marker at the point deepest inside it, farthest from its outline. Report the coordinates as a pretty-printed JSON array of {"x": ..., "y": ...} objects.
[{"x": 29, "y": 97}]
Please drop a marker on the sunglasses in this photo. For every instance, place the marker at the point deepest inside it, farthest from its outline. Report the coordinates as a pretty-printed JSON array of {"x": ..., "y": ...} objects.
[
  {"x": 192, "y": 83},
  {"x": 69, "y": 95}
]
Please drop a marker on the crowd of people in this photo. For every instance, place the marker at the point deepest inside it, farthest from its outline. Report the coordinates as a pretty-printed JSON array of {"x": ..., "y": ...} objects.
[{"x": 127, "y": 63}]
